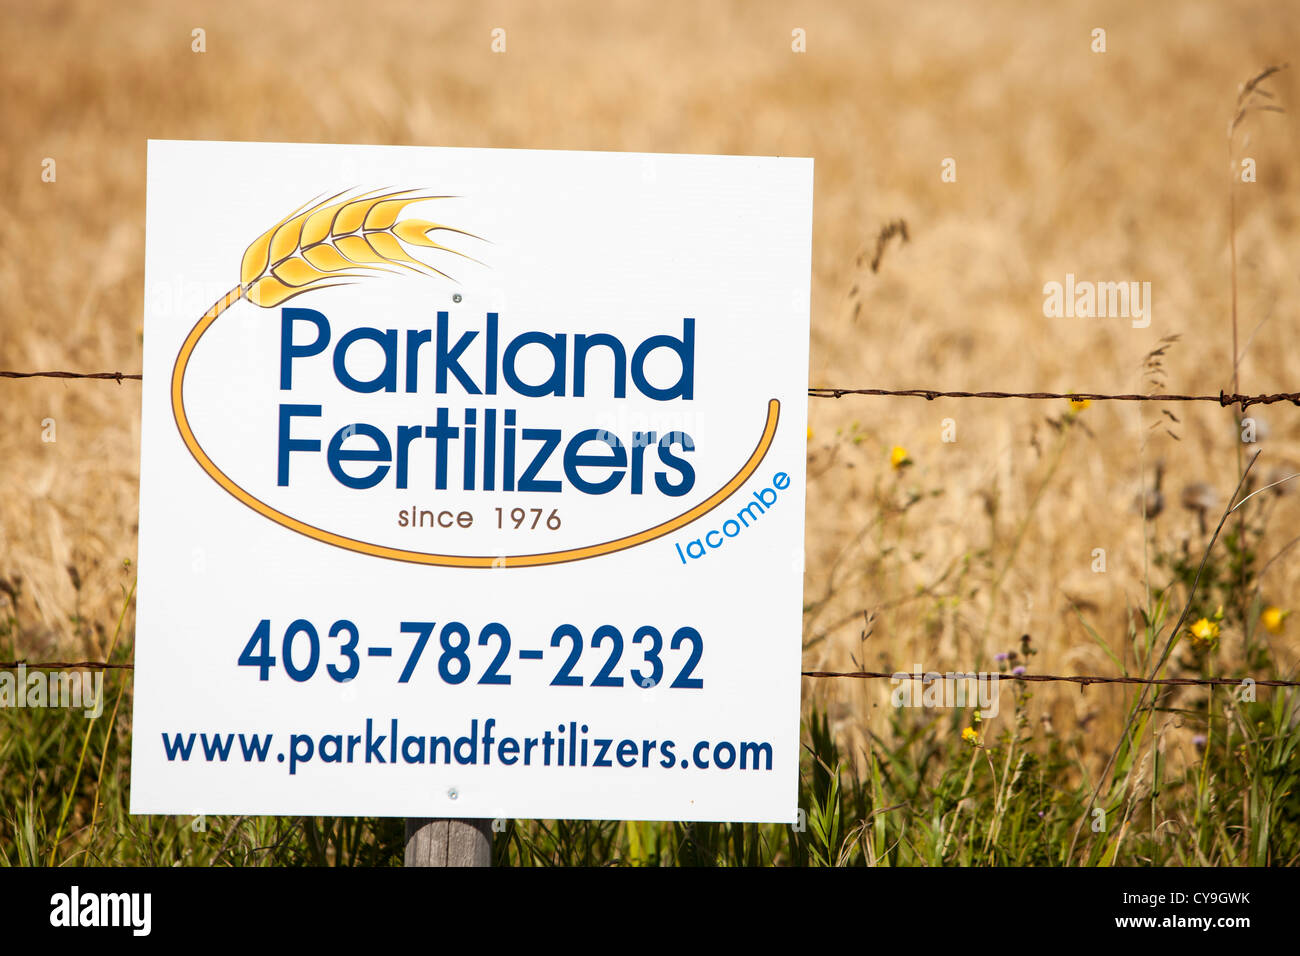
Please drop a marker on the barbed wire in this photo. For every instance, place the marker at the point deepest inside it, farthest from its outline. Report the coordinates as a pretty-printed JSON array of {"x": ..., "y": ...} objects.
[
  {"x": 1082, "y": 679},
  {"x": 923, "y": 676},
  {"x": 119, "y": 377},
  {"x": 929, "y": 394},
  {"x": 1223, "y": 398},
  {"x": 64, "y": 665}
]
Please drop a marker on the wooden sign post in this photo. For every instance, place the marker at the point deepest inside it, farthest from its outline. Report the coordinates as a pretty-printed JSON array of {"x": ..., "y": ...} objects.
[{"x": 443, "y": 842}]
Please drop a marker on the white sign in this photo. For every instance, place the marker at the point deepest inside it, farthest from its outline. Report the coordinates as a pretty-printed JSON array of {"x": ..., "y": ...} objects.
[{"x": 472, "y": 483}]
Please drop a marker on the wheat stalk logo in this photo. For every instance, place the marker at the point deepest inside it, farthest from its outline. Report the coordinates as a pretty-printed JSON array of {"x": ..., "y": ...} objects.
[{"x": 326, "y": 243}]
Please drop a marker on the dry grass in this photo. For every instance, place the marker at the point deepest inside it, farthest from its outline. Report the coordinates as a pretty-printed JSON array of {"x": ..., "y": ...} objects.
[{"x": 1108, "y": 166}]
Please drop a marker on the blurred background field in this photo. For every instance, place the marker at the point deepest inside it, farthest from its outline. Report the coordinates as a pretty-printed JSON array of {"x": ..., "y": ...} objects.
[{"x": 1112, "y": 166}]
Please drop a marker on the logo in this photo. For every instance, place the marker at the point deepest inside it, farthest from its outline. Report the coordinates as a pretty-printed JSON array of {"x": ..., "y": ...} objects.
[
  {"x": 339, "y": 240},
  {"x": 77, "y": 909}
]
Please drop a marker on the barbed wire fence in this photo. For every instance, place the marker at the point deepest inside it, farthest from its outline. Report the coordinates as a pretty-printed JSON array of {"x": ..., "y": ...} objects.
[
  {"x": 1222, "y": 399},
  {"x": 1083, "y": 680}
]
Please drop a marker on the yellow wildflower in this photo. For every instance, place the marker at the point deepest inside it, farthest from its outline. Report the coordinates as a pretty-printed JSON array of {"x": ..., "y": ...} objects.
[
  {"x": 898, "y": 457},
  {"x": 1205, "y": 630},
  {"x": 971, "y": 736},
  {"x": 1273, "y": 618},
  {"x": 1079, "y": 404},
  {"x": 810, "y": 433}
]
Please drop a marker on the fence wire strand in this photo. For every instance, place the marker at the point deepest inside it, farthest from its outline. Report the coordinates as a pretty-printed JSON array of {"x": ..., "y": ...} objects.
[
  {"x": 1224, "y": 399},
  {"x": 924, "y": 676},
  {"x": 119, "y": 377},
  {"x": 1082, "y": 679}
]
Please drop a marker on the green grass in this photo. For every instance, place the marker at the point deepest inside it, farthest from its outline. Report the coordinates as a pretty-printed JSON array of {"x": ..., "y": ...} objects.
[
  {"x": 933, "y": 787},
  {"x": 922, "y": 797}
]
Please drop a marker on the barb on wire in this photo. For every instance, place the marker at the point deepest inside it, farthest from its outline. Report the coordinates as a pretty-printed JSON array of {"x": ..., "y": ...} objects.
[{"x": 1224, "y": 399}]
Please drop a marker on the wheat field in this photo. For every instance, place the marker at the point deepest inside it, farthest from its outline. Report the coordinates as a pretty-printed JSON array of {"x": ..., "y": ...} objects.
[{"x": 1109, "y": 166}]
